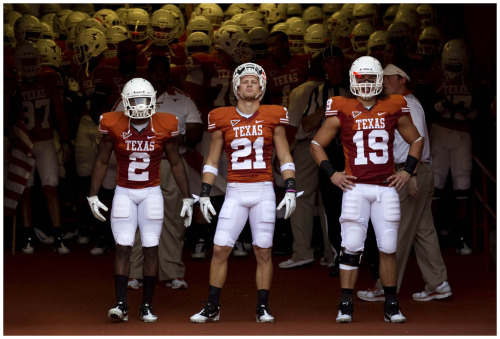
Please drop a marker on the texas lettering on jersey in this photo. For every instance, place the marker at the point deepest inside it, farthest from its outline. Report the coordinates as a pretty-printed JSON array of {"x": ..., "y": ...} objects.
[
  {"x": 248, "y": 142},
  {"x": 368, "y": 135},
  {"x": 138, "y": 155}
]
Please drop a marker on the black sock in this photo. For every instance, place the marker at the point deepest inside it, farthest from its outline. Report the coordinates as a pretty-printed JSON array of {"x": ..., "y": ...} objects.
[
  {"x": 213, "y": 295},
  {"x": 121, "y": 282},
  {"x": 262, "y": 297},
  {"x": 346, "y": 295},
  {"x": 149, "y": 289},
  {"x": 390, "y": 293}
]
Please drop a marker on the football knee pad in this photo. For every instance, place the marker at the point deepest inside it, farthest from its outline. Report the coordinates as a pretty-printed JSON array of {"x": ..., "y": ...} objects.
[
  {"x": 353, "y": 236},
  {"x": 150, "y": 240},
  {"x": 388, "y": 241},
  {"x": 349, "y": 261},
  {"x": 222, "y": 238},
  {"x": 125, "y": 238},
  {"x": 264, "y": 240}
]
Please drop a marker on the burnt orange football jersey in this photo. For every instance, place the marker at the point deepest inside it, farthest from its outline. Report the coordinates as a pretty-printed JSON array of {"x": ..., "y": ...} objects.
[
  {"x": 138, "y": 155},
  {"x": 368, "y": 136},
  {"x": 248, "y": 142}
]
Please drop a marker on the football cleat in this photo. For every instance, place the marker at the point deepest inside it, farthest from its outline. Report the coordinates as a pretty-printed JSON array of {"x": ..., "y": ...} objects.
[
  {"x": 263, "y": 315},
  {"x": 345, "y": 312},
  {"x": 146, "y": 314},
  {"x": 119, "y": 312},
  {"x": 210, "y": 313}
]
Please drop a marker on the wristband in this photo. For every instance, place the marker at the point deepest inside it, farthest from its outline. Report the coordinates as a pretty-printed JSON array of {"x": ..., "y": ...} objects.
[
  {"x": 205, "y": 189},
  {"x": 290, "y": 185},
  {"x": 210, "y": 169},
  {"x": 410, "y": 164},
  {"x": 287, "y": 166},
  {"x": 327, "y": 167}
]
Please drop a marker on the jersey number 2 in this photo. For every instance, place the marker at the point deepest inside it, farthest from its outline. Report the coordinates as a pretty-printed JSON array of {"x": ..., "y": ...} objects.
[{"x": 140, "y": 165}]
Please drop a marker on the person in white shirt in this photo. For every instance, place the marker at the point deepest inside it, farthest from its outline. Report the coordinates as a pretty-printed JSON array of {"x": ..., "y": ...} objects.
[{"x": 416, "y": 228}]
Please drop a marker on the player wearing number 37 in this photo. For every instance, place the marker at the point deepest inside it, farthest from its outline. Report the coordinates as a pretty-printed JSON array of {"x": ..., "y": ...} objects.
[
  {"x": 247, "y": 133},
  {"x": 139, "y": 136},
  {"x": 366, "y": 124}
]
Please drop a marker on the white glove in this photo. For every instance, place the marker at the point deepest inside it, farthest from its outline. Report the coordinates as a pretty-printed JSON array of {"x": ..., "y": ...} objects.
[
  {"x": 95, "y": 204},
  {"x": 187, "y": 207},
  {"x": 206, "y": 206},
  {"x": 289, "y": 201}
]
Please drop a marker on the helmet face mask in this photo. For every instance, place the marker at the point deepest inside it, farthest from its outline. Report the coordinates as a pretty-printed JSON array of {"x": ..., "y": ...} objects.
[
  {"x": 366, "y": 66},
  {"x": 454, "y": 59},
  {"x": 139, "y": 99},
  {"x": 249, "y": 69},
  {"x": 28, "y": 59}
]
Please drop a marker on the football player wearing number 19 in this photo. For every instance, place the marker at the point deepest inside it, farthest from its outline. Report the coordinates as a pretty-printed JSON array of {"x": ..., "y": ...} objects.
[
  {"x": 370, "y": 185},
  {"x": 139, "y": 137},
  {"x": 247, "y": 133}
]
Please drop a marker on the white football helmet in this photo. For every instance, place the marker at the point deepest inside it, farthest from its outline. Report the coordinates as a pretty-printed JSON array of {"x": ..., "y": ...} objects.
[
  {"x": 273, "y": 13},
  {"x": 234, "y": 41},
  {"x": 11, "y": 17},
  {"x": 199, "y": 24},
  {"x": 258, "y": 43},
  {"x": 377, "y": 40},
  {"x": 341, "y": 24},
  {"x": 294, "y": 9},
  {"x": 366, "y": 13},
  {"x": 280, "y": 27},
  {"x": 198, "y": 42},
  {"x": 137, "y": 23},
  {"x": 179, "y": 19},
  {"x": 408, "y": 16},
  {"x": 139, "y": 99},
  {"x": 27, "y": 58},
  {"x": 296, "y": 32},
  {"x": 237, "y": 8},
  {"x": 399, "y": 33},
  {"x": 366, "y": 65},
  {"x": 162, "y": 27},
  {"x": 51, "y": 54},
  {"x": 113, "y": 36},
  {"x": 252, "y": 19},
  {"x": 360, "y": 35},
  {"x": 89, "y": 43},
  {"x": 72, "y": 20},
  {"x": 47, "y": 31},
  {"x": 48, "y": 18},
  {"x": 455, "y": 59},
  {"x": 28, "y": 27},
  {"x": 313, "y": 15},
  {"x": 390, "y": 14},
  {"x": 49, "y": 8},
  {"x": 330, "y": 8},
  {"x": 348, "y": 6},
  {"x": 249, "y": 68},
  {"x": 60, "y": 21},
  {"x": 427, "y": 15},
  {"x": 212, "y": 12},
  {"x": 107, "y": 17},
  {"x": 430, "y": 41},
  {"x": 316, "y": 38}
]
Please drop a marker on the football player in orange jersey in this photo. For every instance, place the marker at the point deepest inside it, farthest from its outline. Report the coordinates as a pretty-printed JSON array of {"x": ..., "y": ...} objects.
[
  {"x": 138, "y": 137},
  {"x": 247, "y": 133},
  {"x": 367, "y": 125},
  {"x": 37, "y": 102}
]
